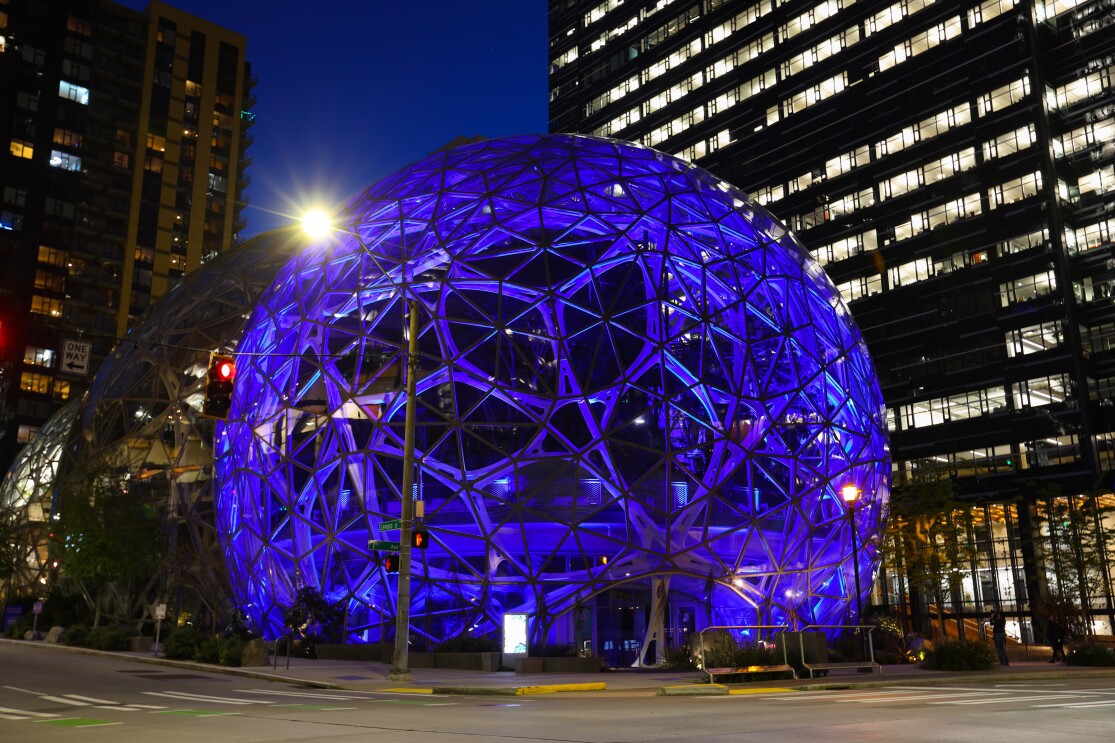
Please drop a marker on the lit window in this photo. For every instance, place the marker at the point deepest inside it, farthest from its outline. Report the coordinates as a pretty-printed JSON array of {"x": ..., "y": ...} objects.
[
  {"x": 35, "y": 382},
  {"x": 64, "y": 160},
  {"x": 72, "y": 92},
  {"x": 26, "y": 434},
  {"x": 38, "y": 356},
  {"x": 22, "y": 149}
]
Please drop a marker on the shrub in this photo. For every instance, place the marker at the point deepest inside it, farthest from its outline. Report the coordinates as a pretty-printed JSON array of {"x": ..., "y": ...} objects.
[
  {"x": 109, "y": 638},
  {"x": 1090, "y": 654},
  {"x": 182, "y": 643},
  {"x": 959, "y": 655},
  {"x": 468, "y": 644},
  {"x": 208, "y": 651},
  {"x": 232, "y": 651},
  {"x": 720, "y": 650},
  {"x": 678, "y": 659},
  {"x": 76, "y": 635}
]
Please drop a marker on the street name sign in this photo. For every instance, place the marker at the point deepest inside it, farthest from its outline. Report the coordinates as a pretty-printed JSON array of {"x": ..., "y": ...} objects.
[
  {"x": 391, "y": 524},
  {"x": 377, "y": 544}
]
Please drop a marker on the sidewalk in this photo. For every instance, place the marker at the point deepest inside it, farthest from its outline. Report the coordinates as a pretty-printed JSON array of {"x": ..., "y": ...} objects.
[{"x": 366, "y": 676}]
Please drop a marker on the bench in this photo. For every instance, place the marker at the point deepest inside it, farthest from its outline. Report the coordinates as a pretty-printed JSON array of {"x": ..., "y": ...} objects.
[
  {"x": 812, "y": 645},
  {"x": 714, "y": 672},
  {"x": 824, "y": 668}
]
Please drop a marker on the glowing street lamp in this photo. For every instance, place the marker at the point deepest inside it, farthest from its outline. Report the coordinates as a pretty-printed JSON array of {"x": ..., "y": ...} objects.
[
  {"x": 850, "y": 493},
  {"x": 317, "y": 224}
]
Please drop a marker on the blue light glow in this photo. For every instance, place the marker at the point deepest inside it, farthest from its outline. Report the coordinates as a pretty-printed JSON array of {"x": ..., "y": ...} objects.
[{"x": 628, "y": 369}]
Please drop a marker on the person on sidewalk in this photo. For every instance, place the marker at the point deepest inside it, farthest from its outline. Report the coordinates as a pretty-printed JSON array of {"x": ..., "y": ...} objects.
[
  {"x": 999, "y": 634},
  {"x": 1055, "y": 633}
]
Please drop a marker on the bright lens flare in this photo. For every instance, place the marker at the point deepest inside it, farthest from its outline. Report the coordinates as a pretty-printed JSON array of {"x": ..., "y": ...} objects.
[{"x": 316, "y": 224}]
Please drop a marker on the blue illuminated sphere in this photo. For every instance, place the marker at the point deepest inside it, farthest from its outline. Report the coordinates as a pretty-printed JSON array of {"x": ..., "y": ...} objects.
[{"x": 628, "y": 370}]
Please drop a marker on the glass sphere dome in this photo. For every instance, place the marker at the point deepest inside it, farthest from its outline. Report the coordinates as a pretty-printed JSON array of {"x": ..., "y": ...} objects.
[{"x": 630, "y": 375}]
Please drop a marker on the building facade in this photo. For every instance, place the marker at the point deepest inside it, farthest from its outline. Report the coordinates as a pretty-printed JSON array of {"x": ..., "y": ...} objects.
[
  {"x": 127, "y": 136},
  {"x": 951, "y": 166}
]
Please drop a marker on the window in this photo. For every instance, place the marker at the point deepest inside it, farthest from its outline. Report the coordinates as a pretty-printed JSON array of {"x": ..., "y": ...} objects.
[
  {"x": 11, "y": 221},
  {"x": 35, "y": 56},
  {"x": 50, "y": 281},
  {"x": 1015, "y": 189},
  {"x": 67, "y": 138},
  {"x": 58, "y": 208},
  {"x": 38, "y": 356},
  {"x": 1027, "y": 288},
  {"x": 22, "y": 149},
  {"x": 29, "y": 101},
  {"x": 52, "y": 256},
  {"x": 15, "y": 196},
  {"x": 79, "y": 26},
  {"x": 26, "y": 434},
  {"x": 1033, "y": 339},
  {"x": 72, "y": 92},
  {"x": 61, "y": 390},
  {"x": 78, "y": 48},
  {"x": 46, "y": 306},
  {"x": 65, "y": 161},
  {"x": 35, "y": 382}
]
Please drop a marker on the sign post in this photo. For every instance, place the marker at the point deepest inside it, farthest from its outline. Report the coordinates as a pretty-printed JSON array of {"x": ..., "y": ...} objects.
[
  {"x": 36, "y": 609},
  {"x": 160, "y": 615}
]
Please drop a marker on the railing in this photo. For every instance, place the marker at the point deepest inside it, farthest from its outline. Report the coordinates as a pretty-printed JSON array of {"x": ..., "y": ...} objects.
[
  {"x": 868, "y": 663},
  {"x": 713, "y": 672}
]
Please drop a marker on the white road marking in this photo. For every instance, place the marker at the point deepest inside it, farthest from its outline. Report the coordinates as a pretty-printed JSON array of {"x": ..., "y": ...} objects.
[
  {"x": 91, "y": 725},
  {"x": 121, "y": 707},
  {"x": 91, "y": 700},
  {"x": 1081, "y": 705},
  {"x": 25, "y": 712},
  {"x": 294, "y": 694},
  {"x": 1004, "y": 700},
  {"x": 202, "y": 698},
  {"x": 63, "y": 700},
  {"x": 930, "y": 696}
]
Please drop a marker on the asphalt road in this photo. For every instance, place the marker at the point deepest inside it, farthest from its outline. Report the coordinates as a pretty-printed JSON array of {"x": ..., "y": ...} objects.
[{"x": 47, "y": 697}]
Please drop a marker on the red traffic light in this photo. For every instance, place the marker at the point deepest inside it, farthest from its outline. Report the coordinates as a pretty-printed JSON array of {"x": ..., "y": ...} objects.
[
  {"x": 419, "y": 539},
  {"x": 226, "y": 370},
  {"x": 391, "y": 563}
]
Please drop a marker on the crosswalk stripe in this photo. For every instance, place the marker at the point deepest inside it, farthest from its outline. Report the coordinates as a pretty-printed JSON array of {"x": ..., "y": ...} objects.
[
  {"x": 27, "y": 713},
  {"x": 1003, "y": 700},
  {"x": 63, "y": 700},
  {"x": 1080, "y": 705},
  {"x": 91, "y": 700},
  {"x": 294, "y": 694},
  {"x": 196, "y": 698}
]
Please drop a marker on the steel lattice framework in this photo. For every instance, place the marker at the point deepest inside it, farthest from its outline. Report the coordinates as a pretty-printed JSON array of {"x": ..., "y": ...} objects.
[
  {"x": 141, "y": 412},
  {"x": 629, "y": 371}
]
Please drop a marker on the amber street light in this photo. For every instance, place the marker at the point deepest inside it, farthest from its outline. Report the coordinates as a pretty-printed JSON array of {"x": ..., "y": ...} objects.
[{"x": 850, "y": 494}]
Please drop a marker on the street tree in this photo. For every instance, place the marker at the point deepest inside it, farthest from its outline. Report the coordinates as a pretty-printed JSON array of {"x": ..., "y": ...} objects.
[
  {"x": 107, "y": 540},
  {"x": 927, "y": 543}
]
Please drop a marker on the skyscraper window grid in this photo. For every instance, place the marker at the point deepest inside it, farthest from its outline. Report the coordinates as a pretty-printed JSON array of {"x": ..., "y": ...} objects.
[{"x": 950, "y": 165}]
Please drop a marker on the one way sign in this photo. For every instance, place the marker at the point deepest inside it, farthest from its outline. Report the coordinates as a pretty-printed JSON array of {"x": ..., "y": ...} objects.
[{"x": 75, "y": 357}]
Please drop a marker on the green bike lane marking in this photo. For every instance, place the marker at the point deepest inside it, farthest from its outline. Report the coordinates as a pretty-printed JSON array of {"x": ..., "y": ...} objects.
[{"x": 77, "y": 722}]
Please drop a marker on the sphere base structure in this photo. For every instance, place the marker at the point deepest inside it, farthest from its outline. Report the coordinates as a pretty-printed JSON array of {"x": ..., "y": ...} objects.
[{"x": 631, "y": 379}]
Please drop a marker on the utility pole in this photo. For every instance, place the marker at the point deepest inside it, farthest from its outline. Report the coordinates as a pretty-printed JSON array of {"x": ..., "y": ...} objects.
[{"x": 401, "y": 671}]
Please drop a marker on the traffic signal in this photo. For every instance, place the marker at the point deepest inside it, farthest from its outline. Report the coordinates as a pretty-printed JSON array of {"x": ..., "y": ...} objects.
[
  {"x": 218, "y": 386},
  {"x": 419, "y": 539},
  {"x": 391, "y": 563}
]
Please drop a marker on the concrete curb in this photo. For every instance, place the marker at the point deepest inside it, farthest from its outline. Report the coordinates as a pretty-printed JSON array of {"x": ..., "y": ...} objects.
[{"x": 696, "y": 690}]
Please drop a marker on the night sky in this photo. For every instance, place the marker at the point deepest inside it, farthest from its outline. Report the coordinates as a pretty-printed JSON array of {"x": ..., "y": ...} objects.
[{"x": 351, "y": 90}]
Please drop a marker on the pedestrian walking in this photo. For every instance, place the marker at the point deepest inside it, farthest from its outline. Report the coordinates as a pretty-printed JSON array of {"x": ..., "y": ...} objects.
[
  {"x": 1055, "y": 633},
  {"x": 999, "y": 634}
]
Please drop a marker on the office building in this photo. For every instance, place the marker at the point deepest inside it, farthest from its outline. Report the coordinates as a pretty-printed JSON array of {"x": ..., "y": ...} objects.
[
  {"x": 950, "y": 164},
  {"x": 126, "y": 146}
]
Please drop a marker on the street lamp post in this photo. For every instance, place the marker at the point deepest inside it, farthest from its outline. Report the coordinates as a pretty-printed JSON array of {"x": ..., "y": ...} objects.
[
  {"x": 851, "y": 494},
  {"x": 317, "y": 224},
  {"x": 401, "y": 671}
]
